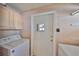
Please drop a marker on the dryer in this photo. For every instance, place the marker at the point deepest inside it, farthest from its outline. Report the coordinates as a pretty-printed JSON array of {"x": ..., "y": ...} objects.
[{"x": 68, "y": 50}]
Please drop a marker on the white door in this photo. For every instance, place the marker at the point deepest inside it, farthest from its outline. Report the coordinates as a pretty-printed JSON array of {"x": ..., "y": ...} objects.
[{"x": 42, "y": 40}]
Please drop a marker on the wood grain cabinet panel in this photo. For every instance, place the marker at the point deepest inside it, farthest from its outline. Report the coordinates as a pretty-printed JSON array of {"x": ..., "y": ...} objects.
[
  {"x": 18, "y": 22},
  {"x": 4, "y": 18},
  {"x": 10, "y": 19},
  {"x": 1, "y": 51}
]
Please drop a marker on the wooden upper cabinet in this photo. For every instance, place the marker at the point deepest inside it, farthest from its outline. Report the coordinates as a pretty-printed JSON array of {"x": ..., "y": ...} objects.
[
  {"x": 18, "y": 22},
  {"x": 4, "y": 18},
  {"x": 10, "y": 19}
]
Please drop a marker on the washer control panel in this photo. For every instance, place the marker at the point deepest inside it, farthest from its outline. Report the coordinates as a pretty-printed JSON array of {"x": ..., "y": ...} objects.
[{"x": 9, "y": 39}]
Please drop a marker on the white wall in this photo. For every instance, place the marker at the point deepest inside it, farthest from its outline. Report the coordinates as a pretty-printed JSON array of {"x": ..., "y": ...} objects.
[
  {"x": 68, "y": 33},
  {"x": 59, "y": 8}
]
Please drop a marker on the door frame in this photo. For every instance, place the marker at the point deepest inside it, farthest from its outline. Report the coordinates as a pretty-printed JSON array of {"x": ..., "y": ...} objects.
[{"x": 54, "y": 30}]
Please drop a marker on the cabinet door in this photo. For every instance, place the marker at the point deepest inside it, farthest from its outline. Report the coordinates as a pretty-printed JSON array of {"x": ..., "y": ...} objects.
[
  {"x": 18, "y": 22},
  {"x": 4, "y": 17},
  {"x": 11, "y": 23}
]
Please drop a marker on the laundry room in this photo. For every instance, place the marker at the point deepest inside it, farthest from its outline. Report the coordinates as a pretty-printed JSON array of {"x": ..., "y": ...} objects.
[{"x": 39, "y": 29}]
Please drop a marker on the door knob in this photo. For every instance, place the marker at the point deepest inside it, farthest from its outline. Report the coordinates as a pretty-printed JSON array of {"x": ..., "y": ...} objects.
[{"x": 51, "y": 40}]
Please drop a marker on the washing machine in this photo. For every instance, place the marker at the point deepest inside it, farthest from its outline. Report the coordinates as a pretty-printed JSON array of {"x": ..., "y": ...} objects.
[{"x": 14, "y": 46}]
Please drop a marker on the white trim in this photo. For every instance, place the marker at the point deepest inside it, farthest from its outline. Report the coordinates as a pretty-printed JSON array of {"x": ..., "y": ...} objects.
[
  {"x": 32, "y": 35},
  {"x": 32, "y": 18},
  {"x": 55, "y": 51},
  {"x": 49, "y": 12}
]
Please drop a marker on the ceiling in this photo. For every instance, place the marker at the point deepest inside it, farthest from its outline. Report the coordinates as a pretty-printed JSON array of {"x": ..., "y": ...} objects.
[
  {"x": 26, "y": 6},
  {"x": 65, "y": 7}
]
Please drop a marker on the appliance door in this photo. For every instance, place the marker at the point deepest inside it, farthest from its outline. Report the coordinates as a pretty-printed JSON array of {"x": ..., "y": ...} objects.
[
  {"x": 61, "y": 52},
  {"x": 19, "y": 50},
  {"x": 68, "y": 50}
]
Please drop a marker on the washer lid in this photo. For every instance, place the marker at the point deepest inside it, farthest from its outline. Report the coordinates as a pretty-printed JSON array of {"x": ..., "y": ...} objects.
[{"x": 13, "y": 44}]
